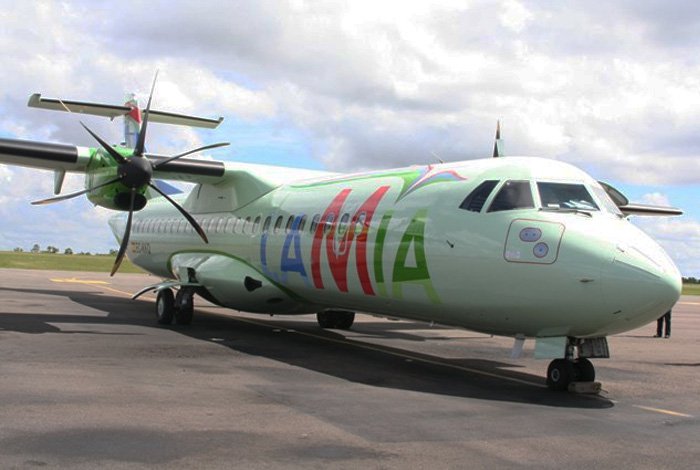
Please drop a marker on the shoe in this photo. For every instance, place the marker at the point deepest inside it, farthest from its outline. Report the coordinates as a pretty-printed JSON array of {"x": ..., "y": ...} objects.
[
  {"x": 667, "y": 336},
  {"x": 657, "y": 336}
]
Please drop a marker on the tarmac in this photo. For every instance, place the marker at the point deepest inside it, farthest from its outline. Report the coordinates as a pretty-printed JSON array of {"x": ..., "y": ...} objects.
[{"x": 88, "y": 379}]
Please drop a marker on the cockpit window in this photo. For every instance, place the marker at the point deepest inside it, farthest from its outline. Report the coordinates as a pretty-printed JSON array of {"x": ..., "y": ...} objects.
[
  {"x": 513, "y": 195},
  {"x": 566, "y": 196},
  {"x": 605, "y": 200},
  {"x": 477, "y": 198}
]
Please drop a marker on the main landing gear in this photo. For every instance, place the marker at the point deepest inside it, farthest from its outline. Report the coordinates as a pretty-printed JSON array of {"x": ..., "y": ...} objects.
[
  {"x": 179, "y": 307},
  {"x": 335, "y": 319}
]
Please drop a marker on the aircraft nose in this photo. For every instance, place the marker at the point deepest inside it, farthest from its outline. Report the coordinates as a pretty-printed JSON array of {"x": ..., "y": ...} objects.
[{"x": 641, "y": 283}]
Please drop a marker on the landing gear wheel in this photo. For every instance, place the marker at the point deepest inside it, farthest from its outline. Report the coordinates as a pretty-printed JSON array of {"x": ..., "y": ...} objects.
[
  {"x": 335, "y": 319},
  {"x": 584, "y": 370},
  {"x": 560, "y": 374},
  {"x": 344, "y": 320},
  {"x": 165, "y": 307},
  {"x": 184, "y": 306}
]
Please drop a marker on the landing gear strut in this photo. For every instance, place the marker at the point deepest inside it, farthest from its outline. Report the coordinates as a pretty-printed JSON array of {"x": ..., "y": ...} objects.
[
  {"x": 179, "y": 307},
  {"x": 335, "y": 319}
]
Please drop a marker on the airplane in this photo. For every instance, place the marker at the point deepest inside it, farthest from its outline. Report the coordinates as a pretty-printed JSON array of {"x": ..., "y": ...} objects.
[{"x": 522, "y": 247}]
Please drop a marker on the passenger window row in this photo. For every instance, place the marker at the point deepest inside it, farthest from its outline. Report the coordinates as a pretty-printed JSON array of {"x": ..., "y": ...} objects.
[{"x": 244, "y": 226}]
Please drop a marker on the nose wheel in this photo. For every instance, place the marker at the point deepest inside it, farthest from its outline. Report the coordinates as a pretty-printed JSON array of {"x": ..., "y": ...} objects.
[{"x": 563, "y": 372}]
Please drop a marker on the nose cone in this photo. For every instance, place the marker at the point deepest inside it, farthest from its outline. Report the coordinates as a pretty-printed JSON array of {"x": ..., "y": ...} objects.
[{"x": 641, "y": 283}]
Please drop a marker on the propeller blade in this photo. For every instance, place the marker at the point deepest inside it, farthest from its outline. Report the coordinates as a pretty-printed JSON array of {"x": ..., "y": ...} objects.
[
  {"x": 186, "y": 214},
  {"x": 189, "y": 152},
  {"x": 72, "y": 195},
  {"x": 108, "y": 148},
  {"x": 141, "y": 141},
  {"x": 127, "y": 232}
]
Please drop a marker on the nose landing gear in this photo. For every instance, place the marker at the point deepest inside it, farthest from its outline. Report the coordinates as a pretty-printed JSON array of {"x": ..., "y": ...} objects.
[{"x": 575, "y": 372}]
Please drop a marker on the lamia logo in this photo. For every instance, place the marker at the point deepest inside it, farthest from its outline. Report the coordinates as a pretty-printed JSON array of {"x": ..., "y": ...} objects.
[{"x": 333, "y": 241}]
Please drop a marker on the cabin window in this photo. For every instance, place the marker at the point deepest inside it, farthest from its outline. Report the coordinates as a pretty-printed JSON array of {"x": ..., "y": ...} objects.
[
  {"x": 328, "y": 223},
  {"x": 288, "y": 227},
  {"x": 247, "y": 226},
  {"x": 475, "y": 201},
  {"x": 360, "y": 223},
  {"x": 314, "y": 222},
  {"x": 266, "y": 225},
  {"x": 343, "y": 225},
  {"x": 221, "y": 225},
  {"x": 513, "y": 195},
  {"x": 302, "y": 223},
  {"x": 230, "y": 222},
  {"x": 278, "y": 224},
  {"x": 256, "y": 224},
  {"x": 566, "y": 196},
  {"x": 182, "y": 226}
]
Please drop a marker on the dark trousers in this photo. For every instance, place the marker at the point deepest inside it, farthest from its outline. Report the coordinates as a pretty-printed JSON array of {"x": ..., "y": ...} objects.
[{"x": 660, "y": 324}]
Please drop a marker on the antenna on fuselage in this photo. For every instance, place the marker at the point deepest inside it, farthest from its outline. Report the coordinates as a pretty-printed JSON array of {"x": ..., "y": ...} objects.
[
  {"x": 498, "y": 143},
  {"x": 437, "y": 157}
]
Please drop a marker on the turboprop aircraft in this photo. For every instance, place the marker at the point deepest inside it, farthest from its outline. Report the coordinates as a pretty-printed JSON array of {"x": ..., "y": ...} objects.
[{"x": 514, "y": 246}]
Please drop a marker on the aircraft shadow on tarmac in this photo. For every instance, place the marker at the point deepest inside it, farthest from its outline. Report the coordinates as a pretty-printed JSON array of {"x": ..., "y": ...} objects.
[{"x": 341, "y": 357}]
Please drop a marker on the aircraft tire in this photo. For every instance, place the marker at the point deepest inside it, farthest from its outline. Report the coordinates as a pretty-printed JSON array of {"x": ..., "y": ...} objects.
[
  {"x": 585, "y": 372},
  {"x": 560, "y": 374},
  {"x": 325, "y": 319},
  {"x": 344, "y": 320},
  {"x": 335, "y": 319},
  {"x": 184, "y": 307},
  {"x": 165, "y": 307}
]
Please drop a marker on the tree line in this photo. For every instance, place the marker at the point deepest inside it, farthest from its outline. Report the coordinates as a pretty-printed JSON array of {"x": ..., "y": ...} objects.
[{"x": 53, "y": 250}]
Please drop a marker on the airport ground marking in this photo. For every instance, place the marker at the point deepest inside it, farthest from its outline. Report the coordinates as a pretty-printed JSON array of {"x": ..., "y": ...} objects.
[
  {"x": 663, "y": 411},
  {"x": 100, "y": 284}
]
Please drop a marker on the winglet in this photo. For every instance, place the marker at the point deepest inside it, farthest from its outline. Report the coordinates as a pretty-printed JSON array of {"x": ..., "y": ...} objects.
[{"x": 498, "y": 143}]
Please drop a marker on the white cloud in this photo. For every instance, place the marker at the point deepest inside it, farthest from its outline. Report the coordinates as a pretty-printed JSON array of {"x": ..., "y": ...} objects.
[{"x": 607, "y": 86}]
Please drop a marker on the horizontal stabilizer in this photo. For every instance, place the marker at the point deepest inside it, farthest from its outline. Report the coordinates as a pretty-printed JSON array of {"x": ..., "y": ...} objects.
[{"x": 112, "y": 111}]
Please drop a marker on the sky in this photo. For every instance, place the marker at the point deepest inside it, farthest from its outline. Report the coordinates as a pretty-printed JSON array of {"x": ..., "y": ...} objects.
[{"x": 612, "y": 87}]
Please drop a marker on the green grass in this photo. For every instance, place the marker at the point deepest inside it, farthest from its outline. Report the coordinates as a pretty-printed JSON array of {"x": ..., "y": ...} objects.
[
  {"x": 60, "y": 262},
  {"x": 691, "y": 289}
]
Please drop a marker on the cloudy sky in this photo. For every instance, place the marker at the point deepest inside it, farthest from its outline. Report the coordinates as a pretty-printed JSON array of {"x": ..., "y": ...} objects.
[{"x": 612, "y": 87}]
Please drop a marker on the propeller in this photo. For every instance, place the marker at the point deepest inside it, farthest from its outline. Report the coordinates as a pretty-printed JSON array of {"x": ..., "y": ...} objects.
[{"x": 136, "y": 173}]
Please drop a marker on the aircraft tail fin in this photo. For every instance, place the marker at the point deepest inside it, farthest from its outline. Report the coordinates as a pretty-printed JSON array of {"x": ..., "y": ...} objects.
[{"x": 132, "y": 121}]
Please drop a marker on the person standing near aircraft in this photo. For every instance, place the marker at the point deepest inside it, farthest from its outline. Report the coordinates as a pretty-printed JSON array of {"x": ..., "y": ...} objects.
[{"x": 666, "y": 317}]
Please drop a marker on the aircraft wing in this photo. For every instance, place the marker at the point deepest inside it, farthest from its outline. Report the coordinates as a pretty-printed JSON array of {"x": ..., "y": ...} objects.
[
  {"x": 629, "y": 208},
  {"x": 645, "y": 209}
]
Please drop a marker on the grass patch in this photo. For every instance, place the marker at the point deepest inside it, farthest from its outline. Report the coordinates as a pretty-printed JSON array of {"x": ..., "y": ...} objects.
[
  {"x": 60, "y": 262},
  {"x": 691, "y": 289}
]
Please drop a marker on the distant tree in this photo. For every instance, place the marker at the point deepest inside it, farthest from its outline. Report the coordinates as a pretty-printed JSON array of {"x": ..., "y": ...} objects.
[
  {"x": 36, "y": 248},
  {"x": 68, "y": 251},
  {"x": 18, "y": 250},
  {"x": 51, "y": 249},
  {"x": 113, "y": 252}
]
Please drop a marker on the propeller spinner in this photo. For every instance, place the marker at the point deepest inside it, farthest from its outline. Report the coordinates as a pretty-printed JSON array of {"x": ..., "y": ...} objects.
[{"x": 136, "y": 172}]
